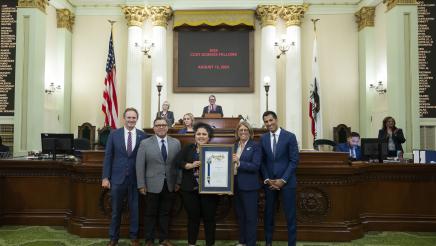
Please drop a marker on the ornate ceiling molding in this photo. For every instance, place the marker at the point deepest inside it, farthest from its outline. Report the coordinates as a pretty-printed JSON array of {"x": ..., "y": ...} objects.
[
  {"x": 392, "y": 3},
  {"x": 135, "y": 15},
  {"x": 160, "y": 15},
  {"x": 267, "y": 14},
  {"x": 292, "y": 14},
  {"x": 39, "y": 4},
  {"x": 65, "y": 19},
  {"x": 365, "y": 17}
]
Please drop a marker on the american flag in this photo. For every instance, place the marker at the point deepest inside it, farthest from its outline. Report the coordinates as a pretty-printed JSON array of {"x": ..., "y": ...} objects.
[
  {"x": 315, "y": 100},
  {"x": 110, "y": 103}
]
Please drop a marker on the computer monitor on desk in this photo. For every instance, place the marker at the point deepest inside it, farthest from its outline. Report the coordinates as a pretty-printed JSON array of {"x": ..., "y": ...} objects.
[
  {"x": 374, "y": 150},
  {"x": 57, "y": 144}
]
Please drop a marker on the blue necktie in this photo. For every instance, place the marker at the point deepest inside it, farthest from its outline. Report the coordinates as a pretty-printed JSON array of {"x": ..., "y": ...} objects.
[
  {"x": 163, "y": 150},
  {"x": 274, "y": 144}
]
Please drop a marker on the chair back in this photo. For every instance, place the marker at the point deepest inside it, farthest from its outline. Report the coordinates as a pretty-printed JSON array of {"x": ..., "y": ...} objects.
[
  {"x": 341, "y": 133},
  {"x": 324, "y": 142},
  {"x": 103, "y": 135},
  {"x": 87, "y": 131}
]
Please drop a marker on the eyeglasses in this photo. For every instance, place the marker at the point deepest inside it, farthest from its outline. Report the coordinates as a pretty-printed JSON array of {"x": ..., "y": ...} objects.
[
  {"x": 161, "y": 125},
  {"x": 243, "y": 130}
]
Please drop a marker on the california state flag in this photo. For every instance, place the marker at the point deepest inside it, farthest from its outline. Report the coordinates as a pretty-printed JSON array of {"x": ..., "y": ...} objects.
[{"x": 315, "y": 98}]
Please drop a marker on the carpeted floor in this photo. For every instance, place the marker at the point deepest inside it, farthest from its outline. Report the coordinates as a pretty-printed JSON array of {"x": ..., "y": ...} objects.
[{"x": 57, "y": 236}]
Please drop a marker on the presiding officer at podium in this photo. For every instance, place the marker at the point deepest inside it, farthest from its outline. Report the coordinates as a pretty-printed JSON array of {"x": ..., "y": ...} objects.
[
  {"x": 212, "y": 108},
  {"x": 119, "y": 174}
]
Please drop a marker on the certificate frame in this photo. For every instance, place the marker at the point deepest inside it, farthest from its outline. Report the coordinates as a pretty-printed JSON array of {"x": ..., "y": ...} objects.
[{"x": 216, "y": 179}]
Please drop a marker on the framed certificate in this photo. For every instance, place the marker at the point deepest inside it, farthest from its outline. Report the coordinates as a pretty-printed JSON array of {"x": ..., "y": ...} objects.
[{"x": 216, "y": 169}]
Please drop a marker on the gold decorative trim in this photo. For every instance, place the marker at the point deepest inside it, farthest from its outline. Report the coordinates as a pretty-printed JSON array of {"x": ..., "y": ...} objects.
[
  {"x": 392, "y": 3},
  {"x": 39, "y": 4},
  {"x": 213, "y": 17},
  {"x": 135, "y": 15},
  {"x": 365, "y": 17},
  {"x": 267, "y": 14},
  {"x": 292, "y": 14},
  {"x": 160, "y": 15},
  {"x": 65, "y": 19}
]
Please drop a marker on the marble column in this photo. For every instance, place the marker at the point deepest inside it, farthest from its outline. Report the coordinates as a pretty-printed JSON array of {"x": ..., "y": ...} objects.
[
  {"x": 402, "y": 68},
  {"x": 29, "y": 75},
  {"x": 65, "y": 22},
  {"x": 292, "y": 15},
  {"x": 268, "y": 15},
  {"x": 367, "y": 67},
  {"x": 135, "y": 16},
  {"x": 159, "y": 16}
]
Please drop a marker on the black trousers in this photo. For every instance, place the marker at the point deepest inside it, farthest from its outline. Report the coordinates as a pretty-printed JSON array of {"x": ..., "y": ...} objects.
[
  {"x": 158, "y": 208},
  {"x": 200, "y": 206}
]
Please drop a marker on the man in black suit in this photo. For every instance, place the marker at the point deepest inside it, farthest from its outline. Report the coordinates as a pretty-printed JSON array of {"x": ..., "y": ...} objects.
[{"x": 212, "y": 107}]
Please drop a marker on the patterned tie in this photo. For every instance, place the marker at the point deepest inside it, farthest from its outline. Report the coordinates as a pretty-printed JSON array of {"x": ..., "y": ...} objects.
[
  {"x": 163, "y": 150},
  {"x": 274, "y": 144},
  {"x": 129, "y": 143}
]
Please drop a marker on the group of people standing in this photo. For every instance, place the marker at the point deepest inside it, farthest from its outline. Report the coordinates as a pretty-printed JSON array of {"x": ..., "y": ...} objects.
[{"x": 156, "y": 166}]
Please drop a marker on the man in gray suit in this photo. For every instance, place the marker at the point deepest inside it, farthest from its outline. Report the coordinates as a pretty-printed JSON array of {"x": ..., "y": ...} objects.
[{"x": 157, "y": 175}]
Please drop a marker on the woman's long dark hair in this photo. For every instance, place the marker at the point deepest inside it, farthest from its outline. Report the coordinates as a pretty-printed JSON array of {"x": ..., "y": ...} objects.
[{"x": 385, "y": 120}]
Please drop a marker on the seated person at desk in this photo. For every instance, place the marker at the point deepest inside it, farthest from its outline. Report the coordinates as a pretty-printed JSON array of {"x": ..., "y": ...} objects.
[
  {"x": 351, "y": 146},
  {"x": 166, "y": 114},
  {"x": 212, "y": 107},
  {"x": 393, "y": 135},
  {"x": 188, "y": 122}
]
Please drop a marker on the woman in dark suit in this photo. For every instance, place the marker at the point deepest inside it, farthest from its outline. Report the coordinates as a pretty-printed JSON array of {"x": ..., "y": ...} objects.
[
  {"x": 188, "y": 122},
  {"x": 247, "y": 165},
  {"x": 197, "y": 205},
  {"x": 166, "y": 114},
  {"x": 393, "y": 135}
]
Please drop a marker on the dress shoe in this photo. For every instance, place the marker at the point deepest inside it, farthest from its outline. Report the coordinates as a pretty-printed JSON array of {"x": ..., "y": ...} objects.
[
  {"x": 166, "y": 243},
  {"x": 135, "y": 242},
  {"x": 148, "y": 243},
  {"x": 113, "y": 243}
]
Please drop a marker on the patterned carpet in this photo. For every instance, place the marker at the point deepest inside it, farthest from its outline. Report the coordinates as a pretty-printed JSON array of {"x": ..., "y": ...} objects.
[{"x": 57, "y": 236}]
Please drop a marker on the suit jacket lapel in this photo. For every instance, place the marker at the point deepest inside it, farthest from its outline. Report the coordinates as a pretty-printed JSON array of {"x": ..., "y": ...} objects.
[
  {"x": 137, "y": 139},
  {"x": 123, "y": 142},
  {"x": 268, "y": 142},
  {"x": 156, "y": 147}
]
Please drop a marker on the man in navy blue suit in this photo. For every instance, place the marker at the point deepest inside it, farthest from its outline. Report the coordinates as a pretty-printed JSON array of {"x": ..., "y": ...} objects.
[
  {"x": 279, "y": 164},
  {"x": 119, "y": 174},
  {"x": 212, "y": 107},
  {"x": 351, "y": 146}
]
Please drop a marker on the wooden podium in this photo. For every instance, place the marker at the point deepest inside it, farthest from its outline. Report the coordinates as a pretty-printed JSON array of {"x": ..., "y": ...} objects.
[{"x": 221, "y": 122}]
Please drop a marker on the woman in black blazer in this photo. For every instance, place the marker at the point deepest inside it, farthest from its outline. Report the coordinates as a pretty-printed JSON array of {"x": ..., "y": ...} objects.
[
  {"x": 393, "y": 135},
  {"x": 166, "y": 114},
  {"x": 197, "y": 205}
]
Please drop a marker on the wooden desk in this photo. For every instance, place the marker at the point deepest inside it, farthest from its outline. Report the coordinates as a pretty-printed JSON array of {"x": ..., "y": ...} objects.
[
  {"x": 336, "y": 201},
  {"x": 224, "y": 122}
]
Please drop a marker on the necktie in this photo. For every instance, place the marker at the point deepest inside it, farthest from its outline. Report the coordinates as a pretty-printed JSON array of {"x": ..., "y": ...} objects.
[
  {"x": 163, "y": 150},
  {"x": 129, "y": 143},
  {"x": 274, "y": 144}
]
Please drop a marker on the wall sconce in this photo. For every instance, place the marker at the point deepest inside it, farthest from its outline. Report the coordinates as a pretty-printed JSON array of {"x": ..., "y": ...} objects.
[
  {"x": 283, "y": 46},
  {"x": 380, "y": 88},
  {"x": 52, "y": 88},
  {"x": 146, "y": 48}
]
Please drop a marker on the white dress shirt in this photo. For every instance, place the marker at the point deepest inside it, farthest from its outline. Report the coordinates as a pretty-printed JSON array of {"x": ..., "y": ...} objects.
[
  {"x": 277, "y": 133},
  {"x": 126, "y": 136}
]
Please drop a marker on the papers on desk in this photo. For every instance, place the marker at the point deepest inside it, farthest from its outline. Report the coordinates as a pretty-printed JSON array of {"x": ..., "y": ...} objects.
[{"x": 424, "y": 156}]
